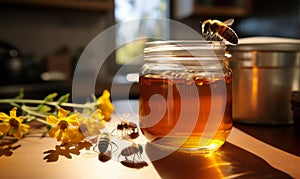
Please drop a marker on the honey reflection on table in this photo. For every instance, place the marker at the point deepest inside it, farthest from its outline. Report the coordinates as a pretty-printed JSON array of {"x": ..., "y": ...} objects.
[{"x": 228, "y": 162}]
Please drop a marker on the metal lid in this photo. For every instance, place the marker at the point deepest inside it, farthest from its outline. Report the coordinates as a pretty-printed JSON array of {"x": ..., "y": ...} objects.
[{"x": 266, "y": 44}]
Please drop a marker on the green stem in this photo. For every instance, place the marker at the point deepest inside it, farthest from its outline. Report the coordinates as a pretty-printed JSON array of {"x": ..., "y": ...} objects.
[
  {"x": 35, "y": 101},
  {"x": 26, "y": 109},
  {"x": 74, "y": 105},
  {"x": 42, "y": 121},
  {"x": 31, "y": 118}
]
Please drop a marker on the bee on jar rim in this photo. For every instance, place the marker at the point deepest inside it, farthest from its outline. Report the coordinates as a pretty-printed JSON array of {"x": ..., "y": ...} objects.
[
  {"x": 134, "y": 149},
  {"x": 217, "y": 30}
]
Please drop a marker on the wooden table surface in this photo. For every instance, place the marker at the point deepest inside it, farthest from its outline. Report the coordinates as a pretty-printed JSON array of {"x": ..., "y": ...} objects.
[{"x": 250, "y": 152}]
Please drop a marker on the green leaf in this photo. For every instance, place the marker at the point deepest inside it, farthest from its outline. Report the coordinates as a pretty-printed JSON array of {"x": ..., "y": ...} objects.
[
  {"x": 86, "y": 111},
  {"x": 21, "y": 94},
  {"x": 50, "y": 97},
  {"x": 44, "y": 108},
  {"x": 94, "y": 98},
  {"x": 49, "y": 127},
  {"x": 91, "y": 99},
  {"x": 63, "y": 99}
]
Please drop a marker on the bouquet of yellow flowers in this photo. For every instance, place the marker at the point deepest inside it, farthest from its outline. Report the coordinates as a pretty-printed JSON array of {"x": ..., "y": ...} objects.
[{"x": 68, "y": 127}]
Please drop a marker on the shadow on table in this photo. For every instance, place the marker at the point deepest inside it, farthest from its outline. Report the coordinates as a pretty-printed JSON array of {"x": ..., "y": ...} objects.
[
  {"x": 230, "y": 162},
  {"x": 7, "y": 148},
  {"x": 283, "y": 137},
  {"x": 66, "y": 151}
]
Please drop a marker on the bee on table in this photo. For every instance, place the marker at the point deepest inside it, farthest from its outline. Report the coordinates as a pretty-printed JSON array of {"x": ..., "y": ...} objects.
[
  {"x": 217, "y": 30},
  {"x": 128, "y": 128},
  {"x": 103, "y": 143},
  {"x": 134, "y": 149}
]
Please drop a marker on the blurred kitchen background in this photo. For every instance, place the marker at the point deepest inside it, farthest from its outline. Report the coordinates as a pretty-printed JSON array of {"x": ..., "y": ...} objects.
[{"x": 41, "y": 40}]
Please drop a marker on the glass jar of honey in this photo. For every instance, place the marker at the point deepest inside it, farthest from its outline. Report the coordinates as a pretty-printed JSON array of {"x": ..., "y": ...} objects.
[{"x": 185, "y": 95}]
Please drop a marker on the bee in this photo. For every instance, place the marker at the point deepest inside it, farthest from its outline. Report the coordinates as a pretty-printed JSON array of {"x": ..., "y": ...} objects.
[
  {"x": 214, "y": 29},
  {"x": 103, "y": 143},
  {"x": 128, "y": 128},
  {"x": 134, "y": 149}
]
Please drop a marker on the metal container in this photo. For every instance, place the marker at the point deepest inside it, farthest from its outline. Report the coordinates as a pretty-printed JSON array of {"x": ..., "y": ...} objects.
[{"x": 265, "y": 72}]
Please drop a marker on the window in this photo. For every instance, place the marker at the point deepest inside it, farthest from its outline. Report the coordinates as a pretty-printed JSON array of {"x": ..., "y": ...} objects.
[{"x": 134, "y": 30}]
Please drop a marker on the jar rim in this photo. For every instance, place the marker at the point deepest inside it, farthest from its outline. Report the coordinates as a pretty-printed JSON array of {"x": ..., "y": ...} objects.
[
  {"x": 185, "y": 42},
  {"x": 183, "y": 48}
]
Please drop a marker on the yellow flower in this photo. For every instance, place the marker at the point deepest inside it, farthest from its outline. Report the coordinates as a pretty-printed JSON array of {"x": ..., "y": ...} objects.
[
  {"x": 105, "y": 104},
  {"x": 75, "y": 136},
  {"x": 63, "y": 126},
  {"x": 91, "y": 126},
  {"x": 12, "y": 125}
]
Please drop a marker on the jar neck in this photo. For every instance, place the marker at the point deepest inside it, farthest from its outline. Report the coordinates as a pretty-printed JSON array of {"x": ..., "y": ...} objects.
[{"x": 210, "y": 65}]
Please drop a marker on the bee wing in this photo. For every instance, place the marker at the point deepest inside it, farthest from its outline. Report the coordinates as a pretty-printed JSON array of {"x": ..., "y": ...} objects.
[
  {"x": 127, "y": 138},
  {"x": 140, "y": 148},
  {"x": 229, "y": 22},
  {"x": 91, "y": 139}
]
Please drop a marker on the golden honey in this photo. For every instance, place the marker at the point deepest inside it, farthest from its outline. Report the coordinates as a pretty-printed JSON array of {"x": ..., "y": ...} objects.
[
  {"x": 185, "y": 105},
  {"x": 183, "y": 138}
]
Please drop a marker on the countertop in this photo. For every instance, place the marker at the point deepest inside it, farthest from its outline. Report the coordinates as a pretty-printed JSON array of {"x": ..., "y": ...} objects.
[{"x": 251, "y": 151}]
